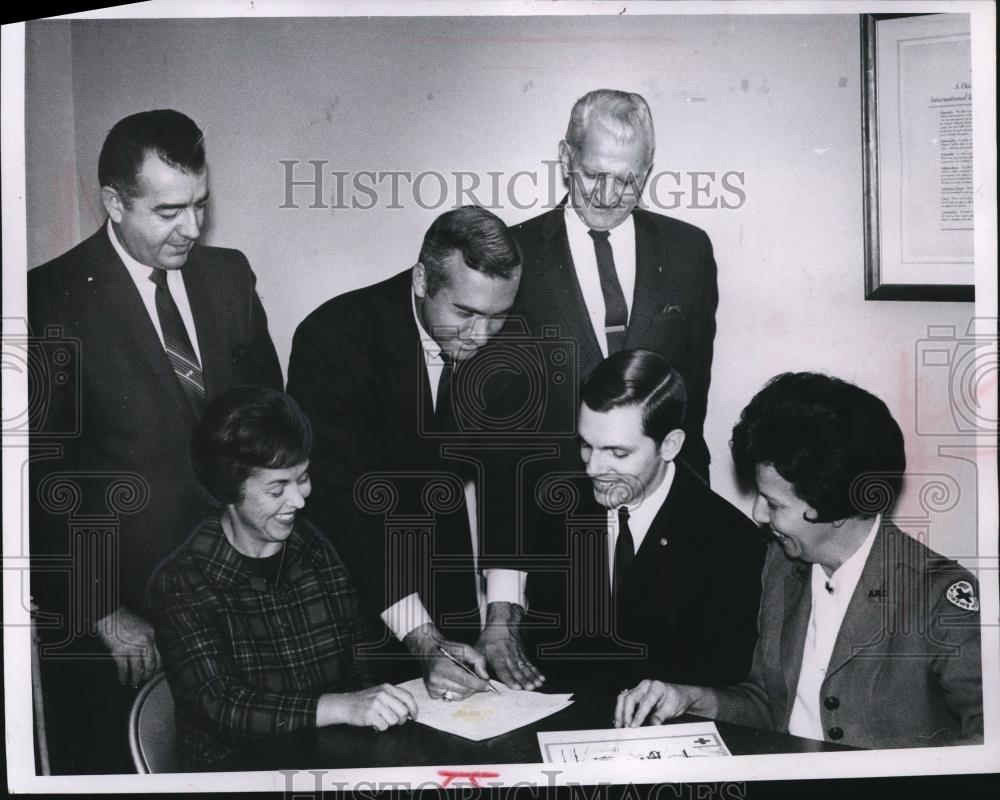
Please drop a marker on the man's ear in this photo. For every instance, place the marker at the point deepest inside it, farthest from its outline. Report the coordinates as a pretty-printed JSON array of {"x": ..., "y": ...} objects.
[
  {"x": 564, "y": 158},
  {"x": 113, "y": 203},
  {"x": 672, "y": 444},
  {"x": 419, "y": 280}
]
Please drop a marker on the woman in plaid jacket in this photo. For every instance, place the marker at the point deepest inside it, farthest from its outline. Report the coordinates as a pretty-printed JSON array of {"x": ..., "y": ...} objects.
[{"x": 256, "y": 617}]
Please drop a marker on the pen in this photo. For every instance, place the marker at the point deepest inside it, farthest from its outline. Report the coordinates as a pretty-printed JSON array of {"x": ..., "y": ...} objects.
[{"x": 465, "y": 667}]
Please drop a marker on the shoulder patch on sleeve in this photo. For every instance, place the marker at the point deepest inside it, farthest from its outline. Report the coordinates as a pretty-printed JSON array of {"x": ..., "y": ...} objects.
[{"x": 961, "y": 594}]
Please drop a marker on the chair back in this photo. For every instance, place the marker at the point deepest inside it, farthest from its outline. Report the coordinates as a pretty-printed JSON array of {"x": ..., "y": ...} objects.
[
  {"x": 151, "y": 729},
  {"x": 38, "y": 698}
]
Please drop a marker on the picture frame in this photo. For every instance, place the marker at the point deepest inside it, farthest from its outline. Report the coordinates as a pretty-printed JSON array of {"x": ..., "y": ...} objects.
[{"x": 917, "y": 157}]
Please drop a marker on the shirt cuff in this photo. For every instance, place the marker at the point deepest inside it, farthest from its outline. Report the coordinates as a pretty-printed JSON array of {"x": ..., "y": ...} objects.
[
  {"x": 405, "y": 615},
  {"x": 505, "y": 586}
]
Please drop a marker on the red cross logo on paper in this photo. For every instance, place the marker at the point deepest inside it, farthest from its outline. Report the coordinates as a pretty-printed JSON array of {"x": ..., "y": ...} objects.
[{"x": 961, "y": 594}]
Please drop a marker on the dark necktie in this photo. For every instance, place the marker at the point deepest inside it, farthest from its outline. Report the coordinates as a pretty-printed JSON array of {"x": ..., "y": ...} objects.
[
  {"x": 180, "y": 353},
  {"x": 624, "y": 551},
  {"x": 615, "y": 308},
  {"x": 442, "y": 403}
]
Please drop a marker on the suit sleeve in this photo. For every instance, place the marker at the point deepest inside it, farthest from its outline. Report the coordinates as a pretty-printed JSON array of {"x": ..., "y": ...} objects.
[
  {"x": 263, "y": 368},
  {"x": 957, "y": 670},
  {"x": 749, "y": 703},
  {"x": 511, "y": 520},
  {"x": 326, "y": 377},
  {"x": 728, "y": 646},
  {"x": 702, "y": 347},
  {"x": 53, "y": 406}
]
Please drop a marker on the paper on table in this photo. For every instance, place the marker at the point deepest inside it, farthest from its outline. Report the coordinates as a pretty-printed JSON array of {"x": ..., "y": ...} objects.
[
  {"x": 691, "y": 740},
  {"x": 484, "y": 714}
]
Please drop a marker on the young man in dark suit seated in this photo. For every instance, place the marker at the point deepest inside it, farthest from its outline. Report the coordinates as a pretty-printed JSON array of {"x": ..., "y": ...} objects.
[{"x": 670, "y": 583}]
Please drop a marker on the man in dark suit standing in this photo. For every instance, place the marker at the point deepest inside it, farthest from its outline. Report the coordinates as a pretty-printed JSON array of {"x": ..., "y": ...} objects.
[
  {"x": 681, "y": 565},
  {"x": 613, "y": 276},
  {"x": 607, "y": 276},
  {"x": 155, "y": 325},
  {"x": 379, "y": 371}
]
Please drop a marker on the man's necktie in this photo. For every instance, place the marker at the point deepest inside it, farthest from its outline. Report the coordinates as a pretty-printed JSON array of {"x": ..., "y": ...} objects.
[
  {"x": 624, "y": 551},
  {"x": 178, "y": 346},
  {"x": 442, "y": 403},
  {"x": 615, "y": 308}
]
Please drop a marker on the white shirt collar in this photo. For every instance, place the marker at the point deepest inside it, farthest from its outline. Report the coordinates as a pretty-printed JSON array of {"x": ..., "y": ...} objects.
[
  {"x": 625, "y": 230},
  {"x": 138, "y": 271},
  {"x": 846, "y": 577},
  {"x": 641, "y": 515},
  {"x": 432, "y": 350},
  {"x": 140, "y": 274}
]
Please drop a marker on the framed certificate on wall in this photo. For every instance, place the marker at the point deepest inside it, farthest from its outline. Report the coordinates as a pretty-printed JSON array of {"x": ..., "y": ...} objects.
[{"x": 917, "y": 118}]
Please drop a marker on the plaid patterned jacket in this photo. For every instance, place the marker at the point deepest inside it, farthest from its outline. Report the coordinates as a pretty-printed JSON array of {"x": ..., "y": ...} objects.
[{"x": 247, "y": 663}]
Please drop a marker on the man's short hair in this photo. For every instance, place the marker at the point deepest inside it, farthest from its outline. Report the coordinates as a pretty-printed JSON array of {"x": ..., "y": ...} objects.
[
  {"x": 484, "y": 242},
  {"x": 625, "y": 115},
  {"x": 639, "y": 378},
  {"x": 822, "y": 435},
  {"x": 243, "y": 429},
  {"x": 169, "y": 134}
]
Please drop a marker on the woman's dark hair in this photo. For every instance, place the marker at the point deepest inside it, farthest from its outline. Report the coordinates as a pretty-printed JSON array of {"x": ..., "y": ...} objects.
[
  {"x": 247, "y": 428},
  {"x": 837, "y": 444}
]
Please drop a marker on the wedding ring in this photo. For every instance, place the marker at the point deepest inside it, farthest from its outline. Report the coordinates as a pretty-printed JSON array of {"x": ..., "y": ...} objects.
[
  {"x": 623, "y": 691},
  {"x": 522, "y": 663},
  {"x": 448, "y": 696}
]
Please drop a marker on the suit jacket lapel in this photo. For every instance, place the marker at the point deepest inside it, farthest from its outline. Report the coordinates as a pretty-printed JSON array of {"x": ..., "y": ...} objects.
[
  {"x": 120, "y": 296},
  {"x": 798, "y": 604},
  {"x": 676, "y": 517},
  {"x": 863, "y": 624},
  {"x": 207, "y": 322},
  {"x": 565, "y": 287},
  {"x": 649, "y": 258}
]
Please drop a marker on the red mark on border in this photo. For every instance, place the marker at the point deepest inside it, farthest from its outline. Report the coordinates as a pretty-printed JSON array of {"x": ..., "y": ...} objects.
[{"x": 472, "y": 777}]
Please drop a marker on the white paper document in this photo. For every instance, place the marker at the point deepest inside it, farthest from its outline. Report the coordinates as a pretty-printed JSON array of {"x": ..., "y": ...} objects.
[
  {"x": 484, "y": 714},
  {"x": 693, "y": 740}
]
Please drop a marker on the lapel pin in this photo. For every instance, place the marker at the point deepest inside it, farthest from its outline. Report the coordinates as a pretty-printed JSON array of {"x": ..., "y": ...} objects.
[
  {"x": 90, "y": 278},
  {"x": 663, "y": 542}
]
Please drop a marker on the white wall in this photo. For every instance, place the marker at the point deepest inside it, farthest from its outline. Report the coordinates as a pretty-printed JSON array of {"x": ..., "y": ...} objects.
[
  {"x": 53, "y": 194},
  {"x": 777, "y": 98}
]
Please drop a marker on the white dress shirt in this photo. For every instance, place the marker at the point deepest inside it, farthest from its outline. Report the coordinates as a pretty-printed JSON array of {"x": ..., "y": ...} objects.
[
  {"x": 830, "y": 598},
  {"x": 147, "y": 291},
  {"x": 507, "y": 585},
  {"x": 640, "y": 516},
  {"x": 581, "y": 247}
]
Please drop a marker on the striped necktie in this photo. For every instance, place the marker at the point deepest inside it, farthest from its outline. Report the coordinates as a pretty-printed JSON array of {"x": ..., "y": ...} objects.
[{"x": 180, "y": 353}]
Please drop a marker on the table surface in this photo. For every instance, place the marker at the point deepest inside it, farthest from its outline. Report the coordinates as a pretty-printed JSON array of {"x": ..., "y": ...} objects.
[{"x": 413, "y": 744}]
